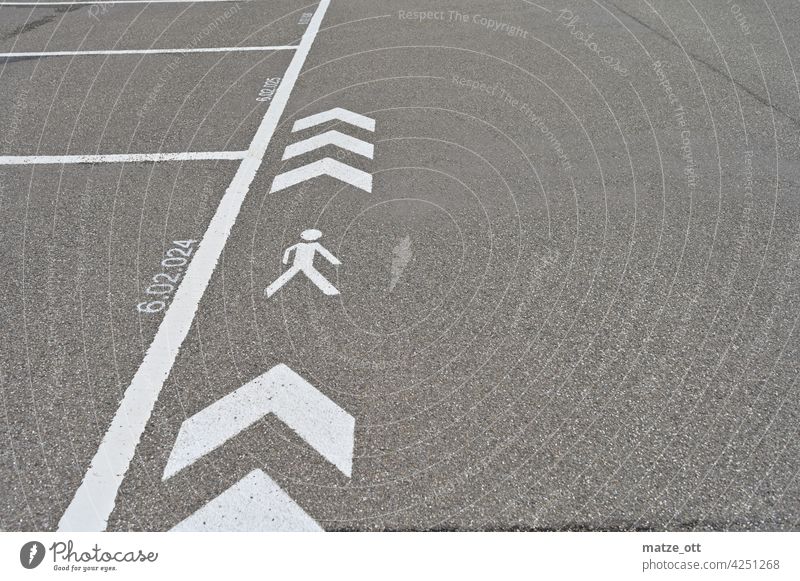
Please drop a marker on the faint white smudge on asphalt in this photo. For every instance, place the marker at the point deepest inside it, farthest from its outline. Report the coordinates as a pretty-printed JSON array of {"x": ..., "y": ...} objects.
[{"x": 402, "y": 256}]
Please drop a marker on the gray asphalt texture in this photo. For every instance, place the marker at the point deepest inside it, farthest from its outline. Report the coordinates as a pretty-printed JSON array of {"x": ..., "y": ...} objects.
[{"x": 563, "y": 306}]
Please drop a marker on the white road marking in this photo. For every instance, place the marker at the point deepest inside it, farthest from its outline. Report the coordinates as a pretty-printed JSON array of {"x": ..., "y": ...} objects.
[
  {"x": 67, "y": 3},
  {"x": 304, "y": 253},
  {"x": 337, "y": 113},
  {"x": 254, "y": 504},
  {"x": 330, "y": 138},
  {"x": 326, "y": 166},
  {"x": 96, "y": 496},
  {"x": 120, "y": 157},
  {"x": 319, "y": 421},
  {"x": 144, "y": 51}
]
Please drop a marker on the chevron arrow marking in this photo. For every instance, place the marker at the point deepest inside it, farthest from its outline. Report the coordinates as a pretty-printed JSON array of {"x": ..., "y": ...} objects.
[
  {"x": 254, "y": 504},
  {"x": 329, "y": 138},
  {"x": 340, "y": 171},
  {"x": 336, "y": 113},
  {"x": 320, "y": 422}
]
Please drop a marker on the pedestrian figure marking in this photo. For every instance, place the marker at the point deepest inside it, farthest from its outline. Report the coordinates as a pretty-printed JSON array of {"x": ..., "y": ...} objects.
[{"x": 304, "y": 253}]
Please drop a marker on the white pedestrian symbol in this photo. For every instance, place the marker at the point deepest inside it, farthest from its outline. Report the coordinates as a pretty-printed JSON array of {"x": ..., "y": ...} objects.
[{"x": 304, "y": 253}]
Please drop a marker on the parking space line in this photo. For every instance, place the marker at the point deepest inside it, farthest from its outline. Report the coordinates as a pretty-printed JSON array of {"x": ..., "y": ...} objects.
[
  {"x": 96, "y": 496},
  {"x": 145, "y": 51},
  {"x": 121, "y": 157},
  {"x": 116, "y": 2}
]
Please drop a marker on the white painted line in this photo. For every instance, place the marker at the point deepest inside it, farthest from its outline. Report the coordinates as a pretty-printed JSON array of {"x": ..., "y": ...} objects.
[
  {"x": 337, "y": 113},
  {"x": 96, "y": 496},
  {"x": 326, "y": 166},
  {"x": 329, "y": 138},
  {"x": 320, "y": 422},
  {"x": 144, "y": 51},
  {"x": 120, "y": 157},
  {"x": 67, "y": 3},
  {"x": 254, "y": 504}
]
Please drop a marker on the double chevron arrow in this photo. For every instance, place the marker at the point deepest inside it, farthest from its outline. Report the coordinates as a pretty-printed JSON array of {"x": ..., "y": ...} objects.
[
  {"x": 328, "y": 166},
  {"x": 256, "y": 502}
]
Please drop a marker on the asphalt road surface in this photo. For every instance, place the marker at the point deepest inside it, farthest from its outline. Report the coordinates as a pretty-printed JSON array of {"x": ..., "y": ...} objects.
[{"x": 567, "y": 296}]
